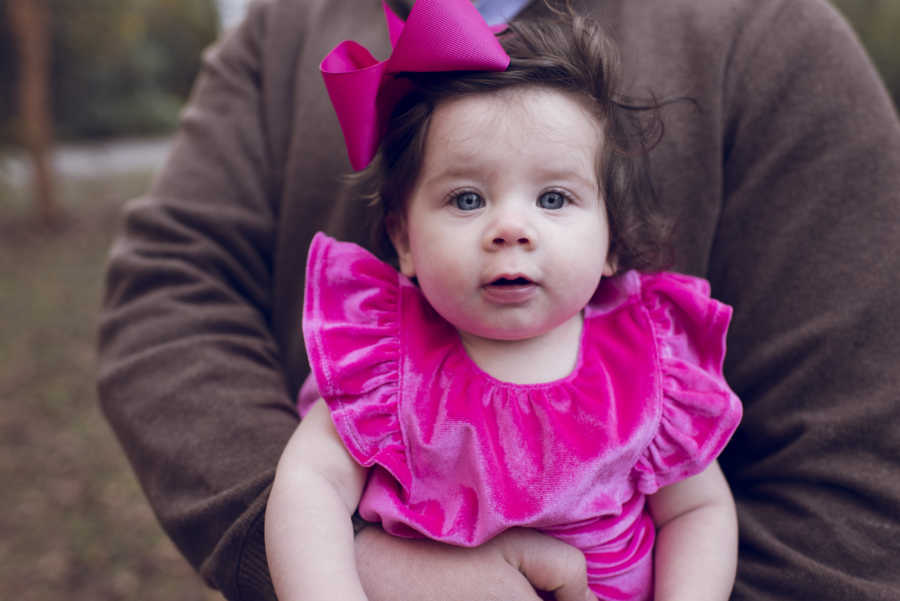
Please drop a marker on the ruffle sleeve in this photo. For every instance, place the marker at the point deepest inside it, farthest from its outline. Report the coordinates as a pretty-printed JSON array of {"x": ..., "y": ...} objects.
[
  {"x": 351, "y": 329},
  {"x": 699, "y": 411}
]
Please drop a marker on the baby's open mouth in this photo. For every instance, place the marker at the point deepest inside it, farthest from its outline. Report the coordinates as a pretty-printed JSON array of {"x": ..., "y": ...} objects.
[
  {"x": 510, "y": 289},
  {"x": 520, "y": 281}
]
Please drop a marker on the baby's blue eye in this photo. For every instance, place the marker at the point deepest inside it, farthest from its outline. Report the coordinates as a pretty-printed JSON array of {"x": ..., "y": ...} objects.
[
  {"x": 551, "y": 200},
  {"x": 468, "y": 201}
]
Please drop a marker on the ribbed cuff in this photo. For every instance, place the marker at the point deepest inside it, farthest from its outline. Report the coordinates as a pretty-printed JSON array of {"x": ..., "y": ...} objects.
[{"x": 253, "y": 580}]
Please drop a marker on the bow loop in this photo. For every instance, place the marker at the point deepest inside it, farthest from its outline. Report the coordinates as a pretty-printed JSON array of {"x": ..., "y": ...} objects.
[
  {"x": 439, "y": 35},
  {"x": 394, "y": 23}
]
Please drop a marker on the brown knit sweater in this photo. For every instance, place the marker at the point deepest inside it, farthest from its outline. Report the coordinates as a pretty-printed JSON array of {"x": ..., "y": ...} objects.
[{"x": 784, "y": 178}]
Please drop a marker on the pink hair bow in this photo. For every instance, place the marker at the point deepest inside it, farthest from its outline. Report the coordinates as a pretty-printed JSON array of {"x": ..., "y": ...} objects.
[{"x": 439, "y": 35}]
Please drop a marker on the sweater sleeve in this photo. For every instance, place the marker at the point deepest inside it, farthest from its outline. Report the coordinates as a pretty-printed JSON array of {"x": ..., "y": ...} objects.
[
  {"x": 807, "y": 252},
  {"x": 189, "y": 373}
]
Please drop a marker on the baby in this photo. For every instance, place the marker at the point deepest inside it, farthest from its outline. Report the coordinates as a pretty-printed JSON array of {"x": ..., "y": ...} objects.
[{"x": 517, "y": 359}]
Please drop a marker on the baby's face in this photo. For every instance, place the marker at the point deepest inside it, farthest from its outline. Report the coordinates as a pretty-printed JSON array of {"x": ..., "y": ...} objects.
[{"x": 506, "y": 228}]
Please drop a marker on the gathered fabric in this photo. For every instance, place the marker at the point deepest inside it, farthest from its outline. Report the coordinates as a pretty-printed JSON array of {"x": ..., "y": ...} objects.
[{"x": 459, "y": 456}]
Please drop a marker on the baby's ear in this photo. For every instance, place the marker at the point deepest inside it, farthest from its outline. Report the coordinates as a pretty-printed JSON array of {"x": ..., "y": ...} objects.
[
  {"x": 399, "y": 234},
  {"x": 610, "y": 267}
]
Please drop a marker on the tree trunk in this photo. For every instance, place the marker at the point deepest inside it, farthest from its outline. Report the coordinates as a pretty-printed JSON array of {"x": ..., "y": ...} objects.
[{"x": 30, "y": 24}]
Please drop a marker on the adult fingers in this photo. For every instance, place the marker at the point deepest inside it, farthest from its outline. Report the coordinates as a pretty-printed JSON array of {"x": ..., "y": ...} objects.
[
  {"x": 397, "y": 569},
  {"x": 548, "y": 563}
]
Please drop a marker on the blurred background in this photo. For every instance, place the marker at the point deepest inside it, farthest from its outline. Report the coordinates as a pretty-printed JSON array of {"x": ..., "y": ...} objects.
[{"x": 90, "y": 91}]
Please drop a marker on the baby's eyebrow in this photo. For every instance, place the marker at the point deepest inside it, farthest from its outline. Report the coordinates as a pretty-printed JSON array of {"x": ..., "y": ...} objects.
[
  {"x": 458, "y": 171},
  {"x": 567, "y": 175},
  {"x": 478, "y": 171}
]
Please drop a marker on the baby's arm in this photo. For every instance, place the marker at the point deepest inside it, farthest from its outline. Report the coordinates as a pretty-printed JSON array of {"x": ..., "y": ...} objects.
[
  {"x": 696, "y": 544},
  {"x": 308, "y": 531}
]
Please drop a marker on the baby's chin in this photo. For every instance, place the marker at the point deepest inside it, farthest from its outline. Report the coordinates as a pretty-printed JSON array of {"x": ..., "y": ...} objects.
[
  {"x": 507, "y": 333},
  {"x": 511, "y": 324}
]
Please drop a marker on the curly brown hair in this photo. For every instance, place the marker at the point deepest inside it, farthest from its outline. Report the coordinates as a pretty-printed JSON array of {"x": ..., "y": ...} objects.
[{"x": 568, "y": 53}]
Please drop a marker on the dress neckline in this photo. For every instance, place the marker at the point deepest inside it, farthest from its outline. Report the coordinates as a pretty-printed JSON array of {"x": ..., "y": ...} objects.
[{"x": 460, "y": 350}]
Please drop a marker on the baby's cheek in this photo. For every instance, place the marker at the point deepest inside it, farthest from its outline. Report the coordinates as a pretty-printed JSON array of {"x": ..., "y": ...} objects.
[
  {"x": 453, "y": 301},
  {"x": 439, "y": 275}
]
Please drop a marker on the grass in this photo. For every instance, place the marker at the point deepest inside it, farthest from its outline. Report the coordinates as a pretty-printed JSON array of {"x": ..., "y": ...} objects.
[{"x": 74, "y": 524}]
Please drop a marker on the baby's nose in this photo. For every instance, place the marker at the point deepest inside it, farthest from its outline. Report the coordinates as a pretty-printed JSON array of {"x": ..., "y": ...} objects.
[
  {"x": 510, "y": 230},
  {"x": 510, "y": 238}
]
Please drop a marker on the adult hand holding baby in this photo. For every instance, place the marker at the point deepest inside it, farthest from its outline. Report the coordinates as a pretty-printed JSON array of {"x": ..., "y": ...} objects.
[{"x": 509, "y": 568}]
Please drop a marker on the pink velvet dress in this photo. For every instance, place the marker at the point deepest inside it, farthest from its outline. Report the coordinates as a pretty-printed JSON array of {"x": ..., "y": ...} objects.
[{"x": 459, "y": 456}]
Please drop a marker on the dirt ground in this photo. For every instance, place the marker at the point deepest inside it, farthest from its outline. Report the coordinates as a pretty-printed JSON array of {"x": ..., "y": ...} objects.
[{"x": 74, "y": 523}]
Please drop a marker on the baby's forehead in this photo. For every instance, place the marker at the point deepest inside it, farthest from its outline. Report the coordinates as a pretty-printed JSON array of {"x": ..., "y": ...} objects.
[
  {"x": 523, "y": 120},
  {"x": 542, "y": 103}
]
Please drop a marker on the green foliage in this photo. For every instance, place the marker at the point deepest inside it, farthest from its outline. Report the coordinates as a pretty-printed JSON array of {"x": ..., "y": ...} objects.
[
  {"x": 124, "y": 67},
  {"x": 120, "y": 67},
  {"x": 878, "y": 24}
]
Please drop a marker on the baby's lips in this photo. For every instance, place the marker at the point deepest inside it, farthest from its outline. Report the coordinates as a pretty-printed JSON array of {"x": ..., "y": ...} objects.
[
  {"x": 512, "y": 278},
  {"x": 517, "y": 281}
]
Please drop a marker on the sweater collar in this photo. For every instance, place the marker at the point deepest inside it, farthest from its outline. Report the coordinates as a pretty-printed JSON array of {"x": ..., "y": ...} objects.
[{"x": 493, "y": 11}]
